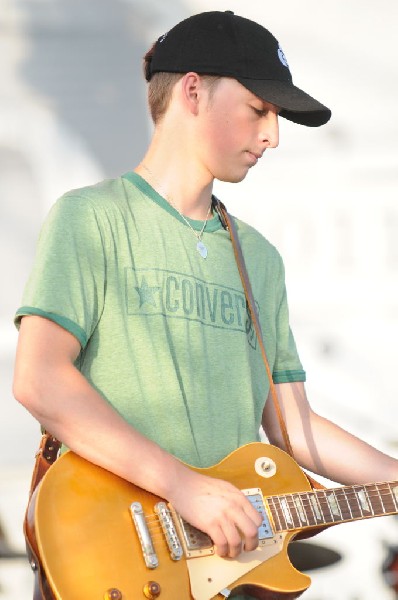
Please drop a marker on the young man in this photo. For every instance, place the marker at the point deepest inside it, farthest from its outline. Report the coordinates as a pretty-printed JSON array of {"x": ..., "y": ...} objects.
[{"x": 133, "y": 347}]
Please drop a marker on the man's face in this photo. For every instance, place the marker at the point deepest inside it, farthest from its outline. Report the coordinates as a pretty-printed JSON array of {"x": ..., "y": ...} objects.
[{"x": 235, "y": 129}]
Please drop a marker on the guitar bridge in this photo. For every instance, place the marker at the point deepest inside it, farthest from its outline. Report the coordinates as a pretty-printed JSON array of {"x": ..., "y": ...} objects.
[{"x": 169, "y": 531}]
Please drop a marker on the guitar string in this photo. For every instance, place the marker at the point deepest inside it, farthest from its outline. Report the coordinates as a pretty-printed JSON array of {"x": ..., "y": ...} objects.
[
  {"x": 380, "y": 494},
  {"x": 385, "y": 499},
  {"x": 156, "y": 531},
  {"x": 344, "y": 492},
  {"x": 320, "y": 495},
  {"x": 383, "y": 487},
  {"x": 311, "y": 519},
  {"x": 281, "y": 524},
  {"x": 375, "y": 492},
  {"x": 350, "y": 515},
  {"x": 380, "y": 491},
  {"x": 376, "y": 501},
  {"x": 382, "y": 498}
]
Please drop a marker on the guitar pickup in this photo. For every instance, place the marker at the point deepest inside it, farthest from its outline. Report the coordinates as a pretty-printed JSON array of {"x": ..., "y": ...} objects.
[
  {"x": 195, "y": 542},
  {"x": 256, "y": 499}
]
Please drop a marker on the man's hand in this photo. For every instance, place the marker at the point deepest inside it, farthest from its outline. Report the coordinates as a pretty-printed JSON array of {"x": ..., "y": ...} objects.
[{"x": 219, "y": 509}]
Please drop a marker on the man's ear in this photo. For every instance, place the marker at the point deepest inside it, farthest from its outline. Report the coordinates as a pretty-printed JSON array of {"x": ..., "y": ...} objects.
[{"x": 192, "y": 91}]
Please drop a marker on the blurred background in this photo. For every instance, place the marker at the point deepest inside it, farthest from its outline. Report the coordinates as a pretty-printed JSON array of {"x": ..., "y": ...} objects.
[{"x": 73, "y": 111}]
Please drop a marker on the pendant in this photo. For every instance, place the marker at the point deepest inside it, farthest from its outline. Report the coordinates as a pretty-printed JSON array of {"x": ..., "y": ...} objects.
[{"x": 201, "y": 248}]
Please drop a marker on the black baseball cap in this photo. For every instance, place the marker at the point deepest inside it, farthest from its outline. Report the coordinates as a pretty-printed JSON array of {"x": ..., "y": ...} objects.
[{"x": 225, "y": 44}]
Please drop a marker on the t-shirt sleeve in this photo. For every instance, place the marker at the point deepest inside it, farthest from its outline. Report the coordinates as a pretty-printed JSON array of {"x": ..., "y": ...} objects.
[
  {"x": 287, "y": 366},
  {"x": 67, "y": 283}
]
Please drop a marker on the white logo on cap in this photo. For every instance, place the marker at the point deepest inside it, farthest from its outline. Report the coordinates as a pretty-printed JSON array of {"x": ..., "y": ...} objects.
[
  {"x": 282, "y": 57},
  {"x": 163, "y": 37}
]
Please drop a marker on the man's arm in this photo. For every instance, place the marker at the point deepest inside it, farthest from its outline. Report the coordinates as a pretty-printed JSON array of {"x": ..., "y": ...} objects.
[
  {"x": 48, "y": 384},
  {"x": 322, "y": 446}
]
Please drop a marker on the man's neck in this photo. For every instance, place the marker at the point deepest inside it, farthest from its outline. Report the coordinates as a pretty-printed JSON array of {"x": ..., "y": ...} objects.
[
  {"x": 176, "y": 175},
  {"x": 179, "y": 186}
]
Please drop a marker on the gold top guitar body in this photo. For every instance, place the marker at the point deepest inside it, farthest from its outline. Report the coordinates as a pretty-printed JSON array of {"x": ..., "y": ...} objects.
[{"x": 102, "y": 538}]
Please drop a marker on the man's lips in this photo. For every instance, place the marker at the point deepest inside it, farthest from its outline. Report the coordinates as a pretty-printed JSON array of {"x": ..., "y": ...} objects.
[{"x": 254, "y": 156}]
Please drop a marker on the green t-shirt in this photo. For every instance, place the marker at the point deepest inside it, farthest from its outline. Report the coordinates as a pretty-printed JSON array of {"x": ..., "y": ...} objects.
[{"x": 165, "y": 334}]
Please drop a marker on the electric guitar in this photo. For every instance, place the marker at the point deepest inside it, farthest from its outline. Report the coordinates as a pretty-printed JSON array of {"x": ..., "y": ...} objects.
[{"x": 102, "y": 538}]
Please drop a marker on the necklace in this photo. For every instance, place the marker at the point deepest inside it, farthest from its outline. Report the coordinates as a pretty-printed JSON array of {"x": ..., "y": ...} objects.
[{"x": 200, "y": 246}]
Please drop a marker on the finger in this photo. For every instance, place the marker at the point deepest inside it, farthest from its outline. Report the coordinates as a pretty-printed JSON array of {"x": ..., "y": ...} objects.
[
  {"x": 233, "y": 537},
  {"x": 252, "y": 513},
  {"x": 228, "y": 541},
  {"x": 239, "y": 527},
  {"x": 248, "y": 530},
  {"x": 220, "y": 541}
]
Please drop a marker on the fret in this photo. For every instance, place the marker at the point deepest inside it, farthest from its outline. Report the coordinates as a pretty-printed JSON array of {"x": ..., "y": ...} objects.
[
  {"x": 308, "y": 508},
  {"x": 324, "y": 507},
  {"x": 316, "y": 508},
  {"x": 380, "y": 497},
  {"x": 286, "y": 512},
  {"x": 388, "y": 498},
  {"x": 334, "y": 505},
  {"x": 369, "y": 500},
  {"x": 329, "y": 506},
  {"x": 363, "y": 499},
  {"x": 281, "y": 516},
  {"x": 348, "y": 500},
  {"x": 342, "y": 501},
  {"x": 297, "y": 510},
  {"x": 375, "y": 499},
  {"x": 353, "y": 501},
  {"x": 306, "y": 514},
  {"x": 273, "y": 502},
  {"x": 394, "y": 494}
]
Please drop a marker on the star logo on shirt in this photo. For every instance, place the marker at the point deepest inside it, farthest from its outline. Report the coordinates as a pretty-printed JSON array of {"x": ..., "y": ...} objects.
[{"x": 147, "y": 293}]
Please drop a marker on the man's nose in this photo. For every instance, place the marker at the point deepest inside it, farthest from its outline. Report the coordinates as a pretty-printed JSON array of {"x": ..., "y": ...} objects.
[{"x": 269, "y": 132}]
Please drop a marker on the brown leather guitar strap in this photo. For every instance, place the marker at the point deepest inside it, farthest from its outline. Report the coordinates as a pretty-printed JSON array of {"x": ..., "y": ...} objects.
[
  {"x": 45, "y": 457},
  {"x": 240, "y": 261}
]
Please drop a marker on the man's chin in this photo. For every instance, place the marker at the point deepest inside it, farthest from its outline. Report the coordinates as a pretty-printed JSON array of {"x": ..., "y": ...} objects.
[{"x": 233, "y": 177}]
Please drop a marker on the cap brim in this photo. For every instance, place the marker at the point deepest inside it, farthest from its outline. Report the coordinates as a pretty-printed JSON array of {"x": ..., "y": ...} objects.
[{"x": 295, "y": 105}]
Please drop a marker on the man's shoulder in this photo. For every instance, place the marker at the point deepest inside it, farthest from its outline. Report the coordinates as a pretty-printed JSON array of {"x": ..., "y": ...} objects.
[
  {"x": 97, "y": 201},
  {"x": 252, "y": 238},
  {"x": 107, "y": 190}
]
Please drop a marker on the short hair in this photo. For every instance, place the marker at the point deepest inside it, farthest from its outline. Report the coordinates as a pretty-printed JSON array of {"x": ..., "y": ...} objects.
[{"x": 161, "y": 84}]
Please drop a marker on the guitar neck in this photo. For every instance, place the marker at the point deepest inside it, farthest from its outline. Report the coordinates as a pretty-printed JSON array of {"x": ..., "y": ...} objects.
[{"x": 335, "y": 505}]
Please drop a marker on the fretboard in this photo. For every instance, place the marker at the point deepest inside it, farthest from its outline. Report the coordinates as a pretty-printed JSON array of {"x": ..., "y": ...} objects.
[{"x": 334, "y": 505}]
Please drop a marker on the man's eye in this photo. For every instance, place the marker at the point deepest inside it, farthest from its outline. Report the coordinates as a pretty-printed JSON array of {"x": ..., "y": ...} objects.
[{"x": 260, "y": 112}]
